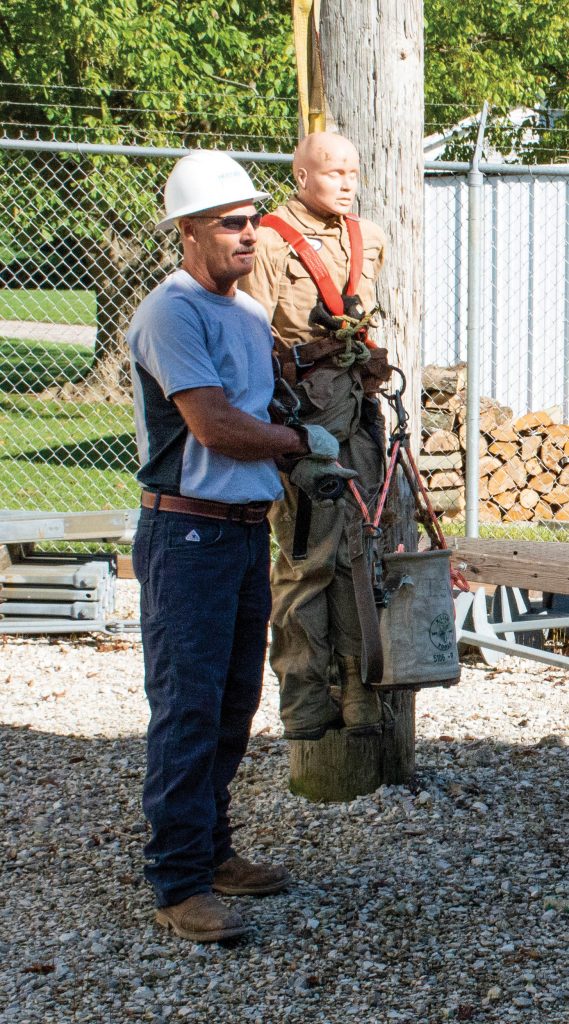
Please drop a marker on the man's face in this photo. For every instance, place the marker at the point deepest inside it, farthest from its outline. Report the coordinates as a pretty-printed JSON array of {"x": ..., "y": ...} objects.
[
  {"x": 218, "y": 250},
  {"x": 328, "y": 179}
]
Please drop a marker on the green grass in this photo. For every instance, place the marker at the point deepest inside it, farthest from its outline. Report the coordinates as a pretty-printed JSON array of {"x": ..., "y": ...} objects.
[
  {"x": 59, "y": 307},
  {"x": 66, "y": 456},
  {"x": 30, "y": 366},
  {"x": 60, "y": 455},
  {"x": 511, "y": 531}
]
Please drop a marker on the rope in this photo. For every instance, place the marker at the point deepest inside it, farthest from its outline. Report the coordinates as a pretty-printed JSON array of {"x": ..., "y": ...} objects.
[{"x": 354, "y": 333}]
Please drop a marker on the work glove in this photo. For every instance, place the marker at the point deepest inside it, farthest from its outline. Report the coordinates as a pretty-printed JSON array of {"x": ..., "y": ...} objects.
[
  {"x": 322, "y": 445},
  {"x": 323, "y": 481}
]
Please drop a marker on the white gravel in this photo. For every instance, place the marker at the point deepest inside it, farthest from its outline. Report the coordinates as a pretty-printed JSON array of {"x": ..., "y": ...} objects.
[{"x": 445, "y": 901}]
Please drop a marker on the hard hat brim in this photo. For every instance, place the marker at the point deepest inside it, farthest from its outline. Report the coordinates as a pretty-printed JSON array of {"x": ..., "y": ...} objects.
[{"x": 184, "y": 211}]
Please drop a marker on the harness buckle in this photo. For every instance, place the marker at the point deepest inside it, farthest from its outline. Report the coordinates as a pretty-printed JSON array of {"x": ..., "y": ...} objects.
[{"x": 296, "y": 350}]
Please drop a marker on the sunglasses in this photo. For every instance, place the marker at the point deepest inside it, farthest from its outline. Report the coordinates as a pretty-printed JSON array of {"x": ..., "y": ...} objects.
[{"x": 236, "y": 222}]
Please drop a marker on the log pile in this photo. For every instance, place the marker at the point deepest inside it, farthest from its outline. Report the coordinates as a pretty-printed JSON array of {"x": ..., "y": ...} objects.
[{"x": 524, "y": 461}]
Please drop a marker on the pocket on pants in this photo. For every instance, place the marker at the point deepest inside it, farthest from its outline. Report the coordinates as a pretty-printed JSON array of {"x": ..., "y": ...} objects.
[
  {"x": 332, "y": 398},
  {"x": 193, "y": 533},
  {"x": 141, "y": 552}
]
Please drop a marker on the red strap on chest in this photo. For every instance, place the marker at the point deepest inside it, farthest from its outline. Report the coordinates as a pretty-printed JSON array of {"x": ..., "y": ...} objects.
[
  {"x": 314, "y": 265},
  {"x": 356, "y": 252}
]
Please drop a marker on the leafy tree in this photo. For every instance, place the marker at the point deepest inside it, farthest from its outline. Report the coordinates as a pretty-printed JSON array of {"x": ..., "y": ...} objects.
[
  {"x": 158, "y": 66},
  {"x": 170, "y": 72},
  {"x": 510, "y": 52},
  {"x": 161, "y": 72}
]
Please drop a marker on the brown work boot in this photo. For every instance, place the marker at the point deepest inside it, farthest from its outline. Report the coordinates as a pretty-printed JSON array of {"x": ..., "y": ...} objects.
[
  {"x": 239, "y": 877},
  {"x": 360, "y": 707},
  {"x": 202, "y": 918}
]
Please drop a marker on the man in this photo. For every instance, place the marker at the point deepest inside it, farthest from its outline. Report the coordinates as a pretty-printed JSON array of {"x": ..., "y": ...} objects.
[
  {"x": 315, "y": 618},
  {"x": 202, "y": 375}
]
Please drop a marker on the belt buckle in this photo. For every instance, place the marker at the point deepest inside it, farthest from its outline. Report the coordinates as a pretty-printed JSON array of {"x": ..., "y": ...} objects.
[{"x": 237, "y": 513}]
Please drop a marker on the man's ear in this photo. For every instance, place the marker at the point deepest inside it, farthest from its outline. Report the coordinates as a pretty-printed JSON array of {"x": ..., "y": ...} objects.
[{"x": 187, "y": 228}]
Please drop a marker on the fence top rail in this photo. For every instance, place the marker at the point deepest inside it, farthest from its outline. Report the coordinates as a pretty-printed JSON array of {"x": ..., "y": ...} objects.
[
  {"x": 84, "y": 148},
  {"x": 518, "y": 170},
  {"x": 431, "y": 166}
]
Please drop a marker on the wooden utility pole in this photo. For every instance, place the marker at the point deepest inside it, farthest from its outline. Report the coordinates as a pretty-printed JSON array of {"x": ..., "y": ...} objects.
[{"x": 372, "y": 63}]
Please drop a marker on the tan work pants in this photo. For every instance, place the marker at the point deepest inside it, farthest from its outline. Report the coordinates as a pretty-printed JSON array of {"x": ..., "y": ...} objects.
[{"x": 314, "y": 609}]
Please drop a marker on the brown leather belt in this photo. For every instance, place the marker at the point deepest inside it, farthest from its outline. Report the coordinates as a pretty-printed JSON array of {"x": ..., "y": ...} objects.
[{"x": 251, "y": 513}]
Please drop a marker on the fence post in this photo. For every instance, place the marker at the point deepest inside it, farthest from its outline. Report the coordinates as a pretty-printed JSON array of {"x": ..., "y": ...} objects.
[{"x": 475, "y": 183}]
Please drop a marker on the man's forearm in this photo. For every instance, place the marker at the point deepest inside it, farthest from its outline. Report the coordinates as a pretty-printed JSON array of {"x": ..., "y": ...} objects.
[
  {"x": 220, "y": 426},
  {"x": 243, "y": 437}
]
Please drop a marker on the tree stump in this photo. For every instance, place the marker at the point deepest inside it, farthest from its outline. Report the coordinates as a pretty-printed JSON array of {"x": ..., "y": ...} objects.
[{"x": 341, "y": 767}]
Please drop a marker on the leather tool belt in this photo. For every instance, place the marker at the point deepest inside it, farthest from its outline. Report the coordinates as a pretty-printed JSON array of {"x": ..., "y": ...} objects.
[
  {"x": 249, "y": 514},
  {"x": 300, "y": 359}
]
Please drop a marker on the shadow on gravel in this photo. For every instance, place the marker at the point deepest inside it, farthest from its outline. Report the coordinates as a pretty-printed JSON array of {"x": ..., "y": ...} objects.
[{"x": 447, "y": 900}]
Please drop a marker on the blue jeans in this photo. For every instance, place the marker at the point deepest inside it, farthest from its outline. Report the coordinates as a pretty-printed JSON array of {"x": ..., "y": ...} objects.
[{"x": 205, "y": 606}]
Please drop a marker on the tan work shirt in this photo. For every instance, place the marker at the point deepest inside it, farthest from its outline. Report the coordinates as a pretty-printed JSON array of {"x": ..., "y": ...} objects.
[{"x": 284, "y": 287}]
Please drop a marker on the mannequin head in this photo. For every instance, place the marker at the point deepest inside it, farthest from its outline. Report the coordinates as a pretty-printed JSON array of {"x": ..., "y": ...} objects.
[{"x": 326, "y": 167}]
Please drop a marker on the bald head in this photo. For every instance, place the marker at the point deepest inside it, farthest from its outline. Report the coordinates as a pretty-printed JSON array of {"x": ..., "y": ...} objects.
[{"x": 326, "y": 168}]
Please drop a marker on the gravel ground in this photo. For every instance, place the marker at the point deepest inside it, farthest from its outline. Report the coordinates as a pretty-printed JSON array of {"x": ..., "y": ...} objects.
[{"x": 445, "y": 901}]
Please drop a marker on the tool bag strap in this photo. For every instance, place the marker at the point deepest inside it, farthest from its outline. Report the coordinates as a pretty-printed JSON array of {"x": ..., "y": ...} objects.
[
  {"x": 314, "y": 265},
  {"x": 372, "y": 651},
  {"x": 301, "y": 526}
]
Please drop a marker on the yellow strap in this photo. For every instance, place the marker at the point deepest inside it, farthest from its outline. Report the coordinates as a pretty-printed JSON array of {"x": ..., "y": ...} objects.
[{"x": 306, "y": 21}]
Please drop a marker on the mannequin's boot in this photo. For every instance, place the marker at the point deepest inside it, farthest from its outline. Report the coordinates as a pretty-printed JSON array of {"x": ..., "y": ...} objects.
[{"x": 360, "y": 706}]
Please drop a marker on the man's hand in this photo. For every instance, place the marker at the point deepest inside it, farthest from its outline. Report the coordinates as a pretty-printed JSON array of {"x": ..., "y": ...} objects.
[{"x": 318, "y": 474}]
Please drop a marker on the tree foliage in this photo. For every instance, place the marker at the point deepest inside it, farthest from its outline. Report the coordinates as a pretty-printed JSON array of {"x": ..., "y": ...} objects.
[
  {"x": 513, "y": 53},
  {"x": 158, "y": 66},
  {"x": 146, "y": 70}
]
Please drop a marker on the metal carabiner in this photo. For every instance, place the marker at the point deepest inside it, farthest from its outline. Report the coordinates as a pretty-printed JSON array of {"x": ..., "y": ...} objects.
[{"x": 402, "y": 389}]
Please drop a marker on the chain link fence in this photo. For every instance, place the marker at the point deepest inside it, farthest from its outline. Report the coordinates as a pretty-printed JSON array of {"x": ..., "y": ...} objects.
[
  {"x": 78, "y": 252},
  {"x": 519, "y": 437}
]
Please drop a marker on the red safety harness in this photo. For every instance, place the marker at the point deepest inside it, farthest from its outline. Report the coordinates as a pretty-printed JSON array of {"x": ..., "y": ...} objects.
[{"x": 317, "y": 269}]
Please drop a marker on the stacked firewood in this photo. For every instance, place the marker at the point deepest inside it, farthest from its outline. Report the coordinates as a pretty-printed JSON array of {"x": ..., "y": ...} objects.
[{"x": 523, "y": 461}]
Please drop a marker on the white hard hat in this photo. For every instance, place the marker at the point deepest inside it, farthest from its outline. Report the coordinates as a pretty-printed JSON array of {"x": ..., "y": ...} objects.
[{"x": 203, "y": 180}]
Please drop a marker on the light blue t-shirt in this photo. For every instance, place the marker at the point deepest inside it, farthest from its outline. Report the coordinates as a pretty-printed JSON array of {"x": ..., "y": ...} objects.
[{"x": 183, "y": 336}]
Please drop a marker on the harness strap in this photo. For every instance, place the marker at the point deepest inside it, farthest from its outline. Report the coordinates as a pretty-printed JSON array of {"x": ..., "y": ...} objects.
[
  {"x": 301, "y": 526},
  {"x": 356, "y": 252},
  {"x": 315, "y": 266}
]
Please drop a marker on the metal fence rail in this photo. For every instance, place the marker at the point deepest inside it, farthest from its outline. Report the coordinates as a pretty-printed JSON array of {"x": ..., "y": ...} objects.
[{"x": 77, "y": 254}]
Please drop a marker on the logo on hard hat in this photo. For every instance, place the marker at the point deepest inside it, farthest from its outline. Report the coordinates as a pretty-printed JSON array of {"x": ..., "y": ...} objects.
[{"x": 441, "y": 632}]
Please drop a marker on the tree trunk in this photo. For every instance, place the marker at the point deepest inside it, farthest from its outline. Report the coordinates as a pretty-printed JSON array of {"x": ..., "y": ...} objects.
[
  {"x": 123, "y": 272},
  {"x": 373, "y": 78}
]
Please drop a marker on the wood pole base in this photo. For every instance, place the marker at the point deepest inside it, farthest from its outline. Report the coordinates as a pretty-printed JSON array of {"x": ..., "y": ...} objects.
[{"x": 341, "y": 767}]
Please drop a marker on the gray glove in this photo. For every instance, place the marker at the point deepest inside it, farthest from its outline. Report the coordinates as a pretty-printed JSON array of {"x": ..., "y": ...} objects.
[
  {"x": 323, "y": 481},
  {"x": 321, "y": 443}
]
